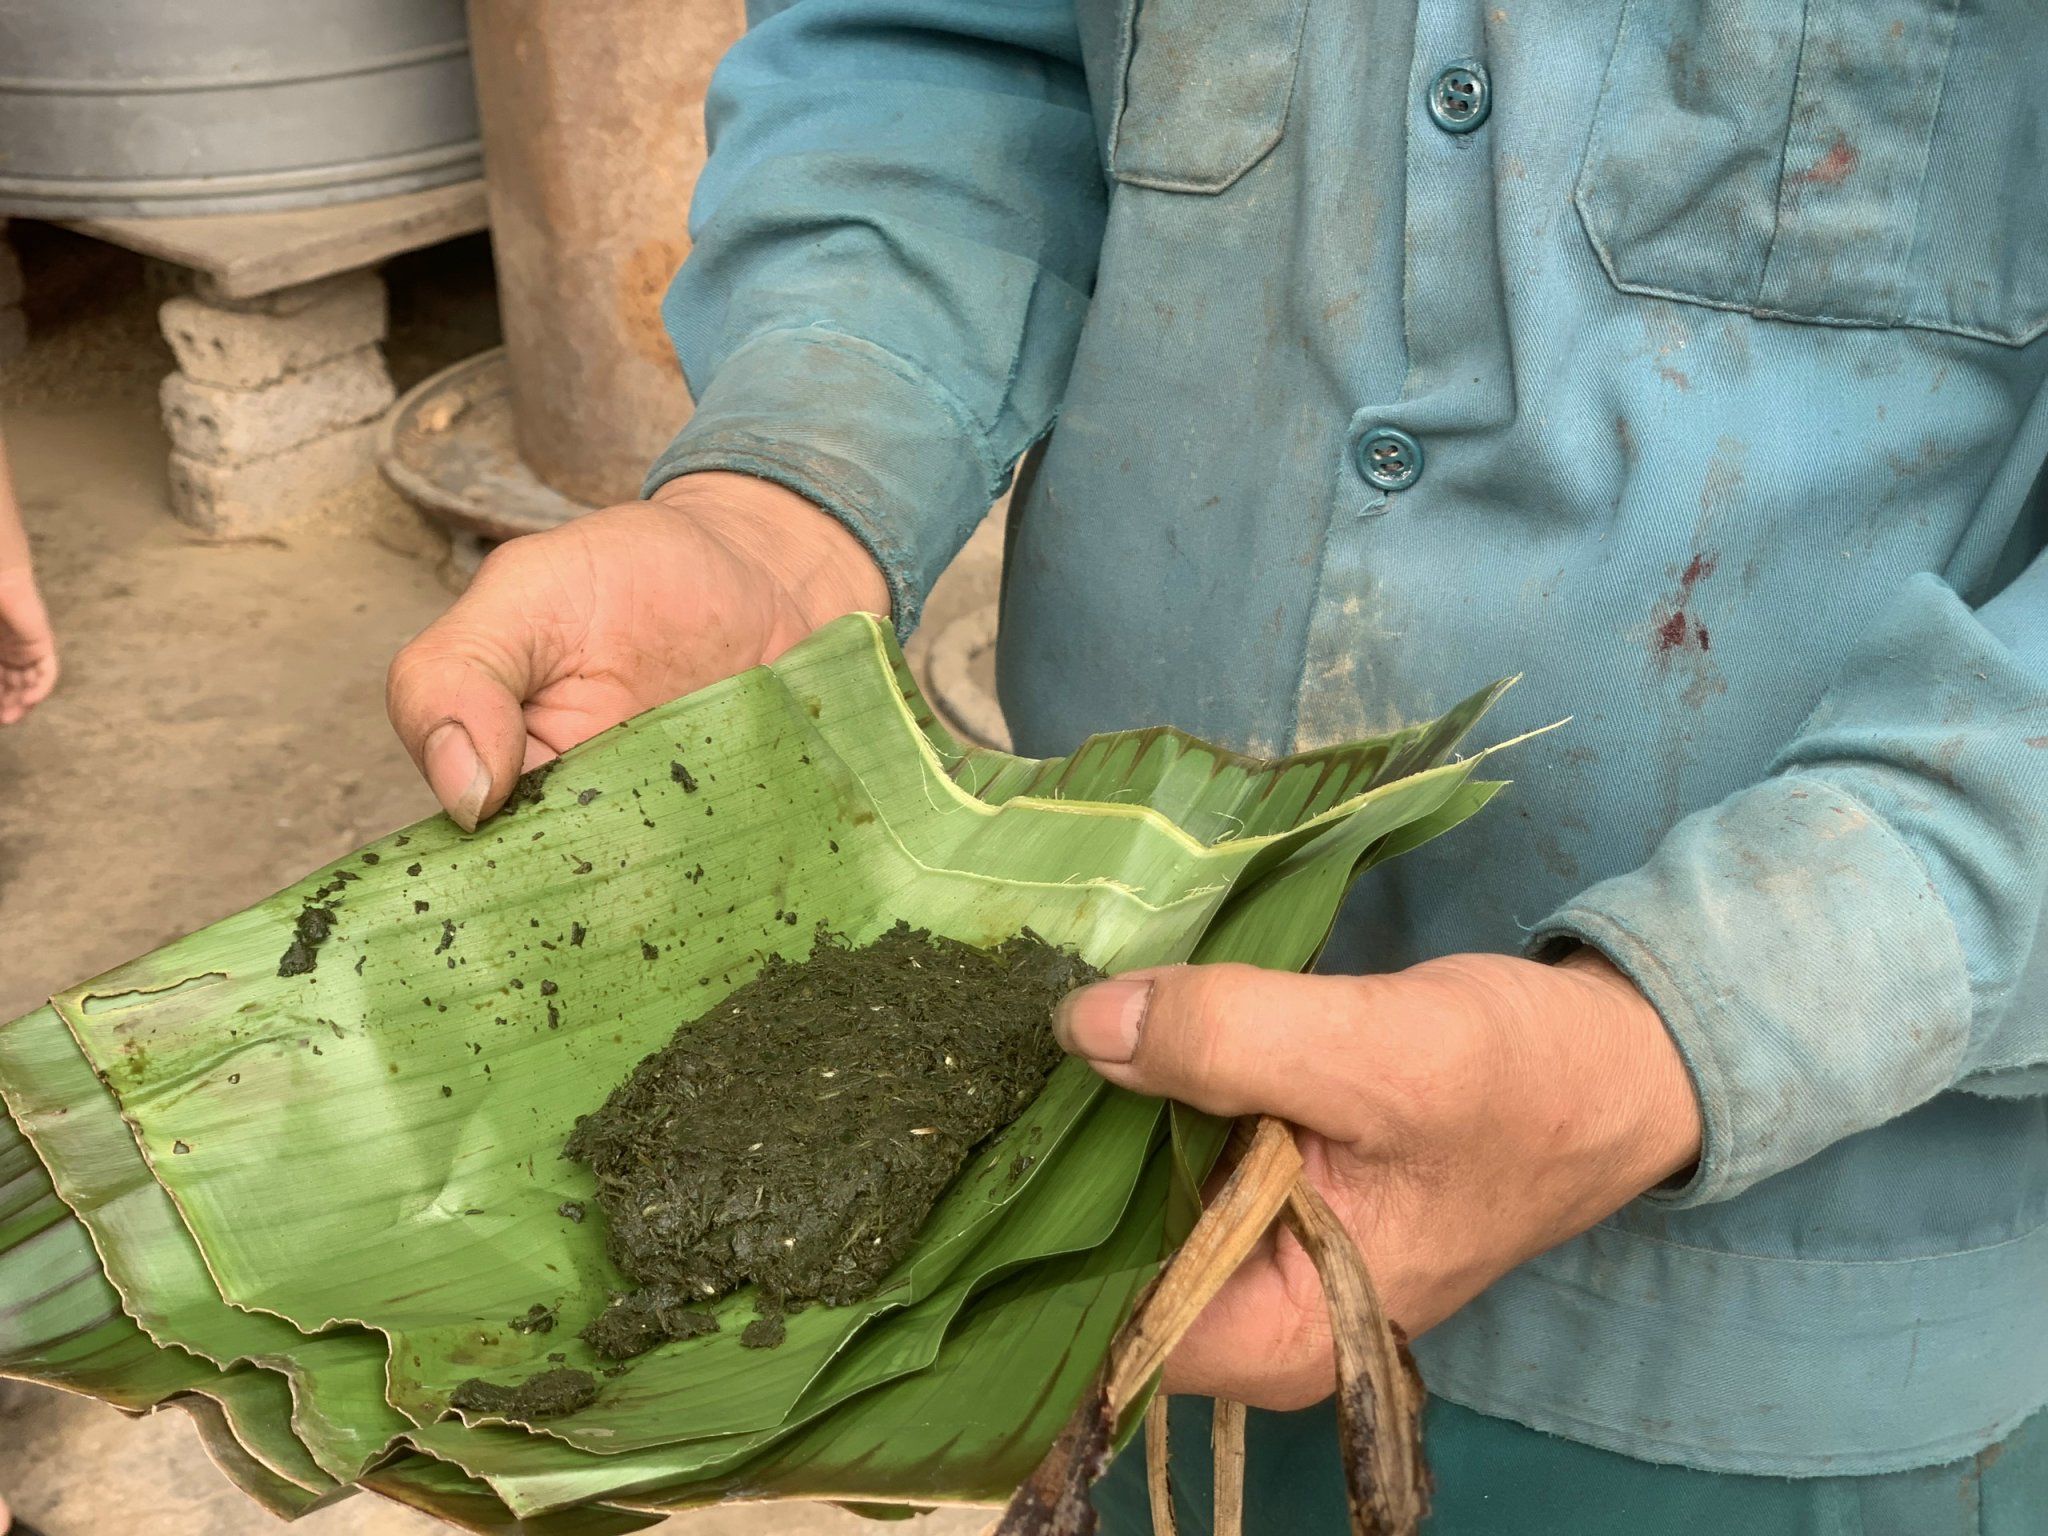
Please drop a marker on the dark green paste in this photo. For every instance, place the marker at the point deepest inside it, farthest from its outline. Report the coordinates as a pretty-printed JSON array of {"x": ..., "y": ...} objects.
[
  {"x": 637, "y": 1321},
  {"x": 549, "y": 1395},
  {"x": 315, "y": 924},
  {"x": 530, "y": 788},
  {"x": 538, "y": 1319},
  {"x": 797, "y": 1136}
]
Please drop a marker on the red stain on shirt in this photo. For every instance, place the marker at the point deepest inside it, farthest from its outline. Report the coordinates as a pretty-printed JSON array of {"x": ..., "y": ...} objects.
[
  {"x": 1836, "y": 166},
  {"x": 1678, "y": 630}
]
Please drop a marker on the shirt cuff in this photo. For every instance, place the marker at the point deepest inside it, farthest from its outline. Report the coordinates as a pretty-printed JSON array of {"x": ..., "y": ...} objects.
[
  {"x": 1807, "y": 970},
  {"x": 860, "y": 432}
]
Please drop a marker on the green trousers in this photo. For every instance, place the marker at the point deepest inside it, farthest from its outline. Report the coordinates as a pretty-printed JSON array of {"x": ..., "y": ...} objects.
[{"x": 1496, "y": 1478}]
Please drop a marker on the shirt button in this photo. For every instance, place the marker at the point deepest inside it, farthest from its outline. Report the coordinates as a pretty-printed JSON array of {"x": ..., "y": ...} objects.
[
  {"x": 1390, "y": 458},
  {"x": 1460, "y": 97}
]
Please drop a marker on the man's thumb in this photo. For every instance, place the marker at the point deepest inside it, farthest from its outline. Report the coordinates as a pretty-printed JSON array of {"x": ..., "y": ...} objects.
[
  {"x": 1228, "y": 1039},
  {"x": 454, "y": 697}
]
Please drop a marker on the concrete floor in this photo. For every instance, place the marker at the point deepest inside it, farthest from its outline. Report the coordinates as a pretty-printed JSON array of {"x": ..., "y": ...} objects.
[{"x": 219, "y": 730}]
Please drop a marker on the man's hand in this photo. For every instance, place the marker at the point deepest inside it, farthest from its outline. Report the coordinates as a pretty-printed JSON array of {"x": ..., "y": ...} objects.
[
  {"x": 566, "y": 633},
  {"x": 1460, "y": 1117},
  {"x": 28, "y": 647}
]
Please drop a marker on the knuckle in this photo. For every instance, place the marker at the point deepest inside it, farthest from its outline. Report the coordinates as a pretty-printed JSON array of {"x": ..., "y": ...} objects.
[
  {"x": 1208, "y": 1008},
  {"x": 1427, "y": 1081},
  {"x": 511, "y": 557},
  {"x": 401, "y": 679},
  {"x": 514, "y": 573},
  {"x": 429, "y": 678}
]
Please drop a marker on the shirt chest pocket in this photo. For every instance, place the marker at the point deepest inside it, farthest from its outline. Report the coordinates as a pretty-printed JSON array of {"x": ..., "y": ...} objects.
[
  {"x": 1202, "y": 88},
  {"x": 1833, "y": 163}
]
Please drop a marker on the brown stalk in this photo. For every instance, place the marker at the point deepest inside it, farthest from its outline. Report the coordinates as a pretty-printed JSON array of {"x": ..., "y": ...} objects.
[
  {"x": 1054, "y": 1499},
  {"x": 1158, "y": 1484},
  {"x": 1379, "y": 1391},
  {"x": 1226, "y": 1441}
]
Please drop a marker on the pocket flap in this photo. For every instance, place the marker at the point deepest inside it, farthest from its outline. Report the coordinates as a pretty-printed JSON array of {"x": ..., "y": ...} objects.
[
  {"x": 1814, "y": 162},
  {"x": 1206, "y": 91}
]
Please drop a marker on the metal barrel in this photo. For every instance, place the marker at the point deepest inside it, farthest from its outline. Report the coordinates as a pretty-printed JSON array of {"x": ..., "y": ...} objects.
[{"x": 126, "y": 108}]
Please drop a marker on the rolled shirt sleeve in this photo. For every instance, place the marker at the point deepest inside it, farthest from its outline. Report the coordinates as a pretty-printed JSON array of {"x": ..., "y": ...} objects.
[
  {"x": 894, "y": 241},
  {"x": 1860, "y": 932}
]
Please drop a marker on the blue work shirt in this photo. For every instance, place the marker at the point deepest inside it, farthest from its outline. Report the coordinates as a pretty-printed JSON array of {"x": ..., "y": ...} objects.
[{"x": 1715, "y": 341}]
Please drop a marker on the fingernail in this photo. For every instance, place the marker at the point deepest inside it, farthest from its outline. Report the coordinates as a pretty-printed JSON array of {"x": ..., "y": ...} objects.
[
  {"x": 1103, "y": 1022},
  {"x": 457, "y": 775}
]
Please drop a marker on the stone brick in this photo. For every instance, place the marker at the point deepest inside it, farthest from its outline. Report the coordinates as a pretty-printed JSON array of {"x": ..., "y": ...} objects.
[
  {"x": 13, "y": 332},
  {"x": 279, "y": 301},
  {"x": 246, "y": 349},
  {"x": 209, "y": 421},
  {"x": 255, "y": 495}
]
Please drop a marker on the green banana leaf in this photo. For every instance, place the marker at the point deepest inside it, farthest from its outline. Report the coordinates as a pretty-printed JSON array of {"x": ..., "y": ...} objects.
[
  {"x": 60, "y": 1321},
  {"x": 156, "y": 1268},
  {"x": 942, "y": 1436},
  {"x": 90, "y": 1153},
  {"x": 452, "y": 1227},
  {"x": 255, "y": 1408},
  {"x": 61, "y": 1315},
  {"x": 1256, "y": 928},
  {"x": 536, "y": 1478},
  {"x": 442, "y": 1491},
  {"x": 344, "y": 1183},
  {"x": 219, "y": 1435}
]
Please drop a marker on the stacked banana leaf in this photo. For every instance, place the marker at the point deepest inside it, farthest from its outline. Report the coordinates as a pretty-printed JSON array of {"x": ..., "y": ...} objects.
[{"x": 300, "y": 1171}]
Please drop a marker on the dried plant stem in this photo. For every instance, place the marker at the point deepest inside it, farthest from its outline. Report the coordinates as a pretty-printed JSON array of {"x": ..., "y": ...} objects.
[
  {"x": 1226, "y": 1442},
  {"x": 1251, "y": 1198},
  {"x": 1379, "y": 1390},
  {"x": 1158, "y": 1483},
  {"x": 1054, "y": 1500}
]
